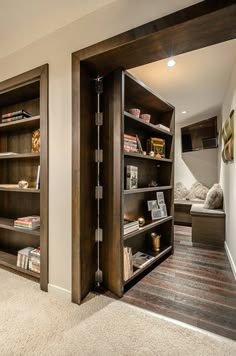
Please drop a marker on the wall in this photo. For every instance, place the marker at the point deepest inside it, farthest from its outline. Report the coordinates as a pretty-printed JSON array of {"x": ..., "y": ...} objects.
[
  {"x": 228, "y": 177},
  {"x": 200, "y": 165},
  {"x": 56, "y": 50}
]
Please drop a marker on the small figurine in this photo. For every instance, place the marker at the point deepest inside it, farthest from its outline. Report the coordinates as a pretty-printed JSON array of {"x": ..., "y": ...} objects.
[
  {"x": 141, "y": 221},
  {"x": 23, "y": 184}
]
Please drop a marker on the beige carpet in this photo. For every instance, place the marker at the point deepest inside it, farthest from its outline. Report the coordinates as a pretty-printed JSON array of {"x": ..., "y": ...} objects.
[{"x": 36, "y": 323}]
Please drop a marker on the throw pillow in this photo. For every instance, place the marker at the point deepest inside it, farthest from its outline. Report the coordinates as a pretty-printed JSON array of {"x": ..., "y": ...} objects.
[
  {"x": 197, "y": 191},
  {"x": 214, "y": 199},
  {"x": 180, "y": 191}
]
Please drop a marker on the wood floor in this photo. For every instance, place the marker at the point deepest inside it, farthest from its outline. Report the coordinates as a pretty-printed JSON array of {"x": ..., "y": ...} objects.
[{"x": 195, "y": 286}]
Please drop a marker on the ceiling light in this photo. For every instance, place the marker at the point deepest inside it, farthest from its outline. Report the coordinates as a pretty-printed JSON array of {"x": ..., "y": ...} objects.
[
  {"x": 171, "y": 63},
  {"x": 184, "y": 112}
]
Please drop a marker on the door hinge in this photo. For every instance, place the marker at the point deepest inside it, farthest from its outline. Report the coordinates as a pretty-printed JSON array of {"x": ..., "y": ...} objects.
[
  {"x": 99, "y": 118},
  {"x": 98, "y": 277},
  {"x": 99, "y": 235},
  {"x": 99, "y": 192},
  {"x": 99, "y": 156}
]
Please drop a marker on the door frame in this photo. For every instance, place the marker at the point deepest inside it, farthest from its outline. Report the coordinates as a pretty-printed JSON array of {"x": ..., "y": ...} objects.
[{"x": 203, "y": 24}]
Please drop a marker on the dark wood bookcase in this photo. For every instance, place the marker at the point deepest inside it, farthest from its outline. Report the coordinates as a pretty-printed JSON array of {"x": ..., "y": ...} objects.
[
  {"x": 28, "y": 91},
  {"x": 121, "y": 92}
]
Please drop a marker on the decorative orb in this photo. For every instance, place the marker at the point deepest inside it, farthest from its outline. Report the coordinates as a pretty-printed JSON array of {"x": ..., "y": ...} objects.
[
  {"x": 23, "y": 184},
  {"x": 141, "y": 222}
]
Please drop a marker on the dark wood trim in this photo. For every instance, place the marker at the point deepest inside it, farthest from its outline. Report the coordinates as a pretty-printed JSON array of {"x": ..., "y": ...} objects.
[{"x": 201, "y": 25}]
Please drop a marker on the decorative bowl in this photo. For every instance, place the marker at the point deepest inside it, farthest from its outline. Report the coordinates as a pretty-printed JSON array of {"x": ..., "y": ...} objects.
[
  {"x": 135, "y": 112},
  {"x": 146, "y": 117}
]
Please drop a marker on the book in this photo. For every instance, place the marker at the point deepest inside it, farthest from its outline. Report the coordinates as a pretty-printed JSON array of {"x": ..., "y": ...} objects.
[
  {"x": 16, "y": 113},
  {"x": 130, "y": 226},
  {"x": 128, "y": 263},
  {"x": 131, "y": 177},
  {"x": 141, "y": 259},
  {"x": 163, "y": 127},
  {"x": 7, "y": 153},
  {"x": 23, "y": 257},
  {"x": 34, "y": 260},
  {"x": 37, "y": 186},
  {"x": 28, "y": 222},
  {"x": 14, "y": 118}
]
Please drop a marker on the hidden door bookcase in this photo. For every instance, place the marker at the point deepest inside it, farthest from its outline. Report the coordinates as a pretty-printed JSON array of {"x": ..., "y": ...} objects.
[
  {"x": 29, "y": 92},
  {"x": 121, "y": 92}
]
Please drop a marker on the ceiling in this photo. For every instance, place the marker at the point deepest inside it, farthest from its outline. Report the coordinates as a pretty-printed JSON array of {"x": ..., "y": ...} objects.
[
  {"x": 198, "y": 81},
  {"x": 25, "y": 21}
]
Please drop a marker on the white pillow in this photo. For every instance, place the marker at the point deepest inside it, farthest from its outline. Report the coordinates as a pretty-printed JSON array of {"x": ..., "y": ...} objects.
[{"x": 214, "y": 198}]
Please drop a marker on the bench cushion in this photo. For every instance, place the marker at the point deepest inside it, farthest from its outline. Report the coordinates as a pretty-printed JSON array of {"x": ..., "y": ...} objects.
[{"x": 198, "y": 209}]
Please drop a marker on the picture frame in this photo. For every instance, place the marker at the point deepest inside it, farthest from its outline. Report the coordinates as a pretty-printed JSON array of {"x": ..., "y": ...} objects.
[
  {"x": 156, "y": 214},
  {"x": 163, "y": 210},
  {"x": 152, "y": 204},
  {"x": 160, "y": 198}
]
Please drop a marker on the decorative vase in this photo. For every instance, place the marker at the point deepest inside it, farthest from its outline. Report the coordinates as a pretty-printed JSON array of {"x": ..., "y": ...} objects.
[{"x": 155, "y": 241}]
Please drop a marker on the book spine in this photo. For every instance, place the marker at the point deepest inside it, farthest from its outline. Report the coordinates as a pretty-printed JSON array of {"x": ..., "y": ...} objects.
[
  {"x": 16, "y": 113},
  {"x": 129, "y": 137},
  {"x": 15, "y": 118}
]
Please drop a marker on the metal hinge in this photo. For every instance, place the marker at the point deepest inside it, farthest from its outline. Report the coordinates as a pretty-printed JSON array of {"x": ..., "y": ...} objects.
[
  {"x": 98, "y": 277},
  {"x": 99, "y": 118},
  {"x": 99, "y": 156},
  {"x": 99, "y": 192},
  {"x": 99, "y": 235}
]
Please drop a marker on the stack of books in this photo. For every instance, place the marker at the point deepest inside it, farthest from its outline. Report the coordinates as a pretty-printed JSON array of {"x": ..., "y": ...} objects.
[
  {"x": 23, "y": 257},
  {"x": 34, "y": 260},
  {"x": 156, "y": 145},
  {"x": 14, "y": 116},
  {"x": 141, "y": 259},
  {"x": 128, "y": 263},
  {"x": 130, "y": 143},
  {"x": 28, "y": 222},
  {"x": 130, "y": 226}
]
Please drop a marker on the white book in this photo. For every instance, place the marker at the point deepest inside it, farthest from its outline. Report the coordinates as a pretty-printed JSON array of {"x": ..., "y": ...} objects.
[{"x": 38, "y": 179}]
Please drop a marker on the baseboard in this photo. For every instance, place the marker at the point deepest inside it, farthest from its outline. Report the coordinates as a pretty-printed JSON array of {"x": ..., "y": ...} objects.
[
  {"x": 231, "y": 261},
  {"x": 59, "y": 292}
]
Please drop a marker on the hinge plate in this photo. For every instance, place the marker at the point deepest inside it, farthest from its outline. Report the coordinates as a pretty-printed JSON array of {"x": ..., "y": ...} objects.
[
  {"x": 99, "y": 192},
  {"x": 99, "y": 156},
  {"x": 99, "y": 118}
]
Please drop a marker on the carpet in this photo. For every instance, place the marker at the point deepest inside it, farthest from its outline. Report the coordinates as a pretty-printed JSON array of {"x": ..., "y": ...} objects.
[{"x": 37, "y": 323}]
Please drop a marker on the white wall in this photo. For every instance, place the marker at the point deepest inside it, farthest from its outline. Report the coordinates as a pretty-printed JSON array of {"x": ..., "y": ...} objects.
[
  {"x": 56, "y": 50},
  {"x": 228, "y": 176},
  {"x": 195, "y": 166}
]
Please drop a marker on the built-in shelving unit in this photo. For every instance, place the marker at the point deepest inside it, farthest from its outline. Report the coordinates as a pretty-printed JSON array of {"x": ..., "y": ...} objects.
[
  {"x": 28, "y": 92},
  {"x": 122, "y": 92}
]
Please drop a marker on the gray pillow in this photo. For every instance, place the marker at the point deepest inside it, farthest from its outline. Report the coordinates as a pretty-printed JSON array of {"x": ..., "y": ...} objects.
[
  {"x": 180, "y": 191},
  {"x": 197, "y": 191},
  {"x": 214, "y": 199}
]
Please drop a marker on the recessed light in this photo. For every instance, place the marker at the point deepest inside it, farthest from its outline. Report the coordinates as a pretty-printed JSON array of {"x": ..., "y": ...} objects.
[
  {"x": 171, "y": 63},
  {"x": 184, "y": 112}
]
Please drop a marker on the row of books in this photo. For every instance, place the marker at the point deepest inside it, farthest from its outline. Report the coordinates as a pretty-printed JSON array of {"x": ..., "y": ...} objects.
[
  {"x": 14, "y": 116},
  {"x": 29, "y": 258},
  {"x": 28, "y": 222},
  {"x": 154, "y": 144},
  {"x": 138, "y": 260},
  {"x": 130, "y": 143},
  {"x": 130, "y": 226}
]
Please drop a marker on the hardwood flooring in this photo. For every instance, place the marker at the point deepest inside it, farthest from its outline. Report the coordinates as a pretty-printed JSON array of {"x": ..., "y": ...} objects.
[{"x": 195, "y": 286}]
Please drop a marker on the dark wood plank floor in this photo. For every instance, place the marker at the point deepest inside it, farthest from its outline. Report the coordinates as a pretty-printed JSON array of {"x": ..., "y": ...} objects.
[{"x": 195, "y": 286}]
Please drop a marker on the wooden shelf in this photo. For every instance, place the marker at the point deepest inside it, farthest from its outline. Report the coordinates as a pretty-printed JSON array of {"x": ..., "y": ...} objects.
[
  {"x": 8, "y": 224},
  {"x": 146, "y": 125},
  {"x": 157, "y": 255},
  {"x": 9, "y": 260},
  {"x": 31, "y": 122},
  {"x": 148, "y": 189},
  {"x": 147, "y": 227},
  {"x": 16, "y": 189},
  {"x": 21, "y": 156},
  {"x": 139, "y": 155}
]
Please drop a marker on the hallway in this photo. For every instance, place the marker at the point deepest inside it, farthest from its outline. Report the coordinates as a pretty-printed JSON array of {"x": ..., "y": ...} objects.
[{"x": 195, "y": 286}]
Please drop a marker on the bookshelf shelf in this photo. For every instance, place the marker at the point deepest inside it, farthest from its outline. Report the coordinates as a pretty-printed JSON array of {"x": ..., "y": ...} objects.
[
  {"x": 20, "y": 156},
  {"x": 31, "y": 122},
  {"x": 147, "y": 190},
  {"x": 158, "y": 255},
  {"x": 25, "y": 93},
  {"x": 9, "y": 260},
  {"x": 148, "y": 227},
  {"x": 139, "y": 155},
  {"x": 141, "y": 124},
  {"x": 8, "y": 224}
]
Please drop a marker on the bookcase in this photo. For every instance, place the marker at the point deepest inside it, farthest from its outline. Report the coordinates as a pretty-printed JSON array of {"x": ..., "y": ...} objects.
[
  {"x": 122, "y": 92},
  {"x": 29, "y": 92}
]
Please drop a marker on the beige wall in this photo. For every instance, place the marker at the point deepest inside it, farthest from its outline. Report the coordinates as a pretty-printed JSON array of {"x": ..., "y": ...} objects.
[
  {"x": 56, "y": 50},
  {"x": 228, "y": 177},
  {"x": 200, "y": 165}
]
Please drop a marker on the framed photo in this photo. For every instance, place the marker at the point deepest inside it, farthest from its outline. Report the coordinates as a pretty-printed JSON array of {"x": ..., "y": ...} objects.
[
  {"x": 152, "y": 204},
  {"x": 163, "y": 210},
  {"x": 156, "y": 214},
  {"x": 160, "y": 198}
]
